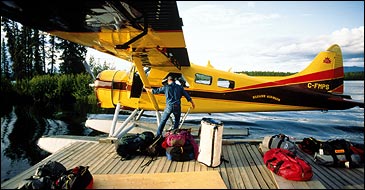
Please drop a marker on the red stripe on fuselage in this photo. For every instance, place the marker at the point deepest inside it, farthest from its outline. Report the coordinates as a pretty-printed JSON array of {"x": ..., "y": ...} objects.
[{"x": 324, "y": 75}]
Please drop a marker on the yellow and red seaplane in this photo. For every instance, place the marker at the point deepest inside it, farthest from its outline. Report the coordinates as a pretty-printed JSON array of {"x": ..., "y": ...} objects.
[{"x": 149, "y": 34}]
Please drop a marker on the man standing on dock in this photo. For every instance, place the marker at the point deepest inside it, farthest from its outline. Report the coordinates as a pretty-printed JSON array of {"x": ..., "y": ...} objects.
[{"x": 173, "y": 93}]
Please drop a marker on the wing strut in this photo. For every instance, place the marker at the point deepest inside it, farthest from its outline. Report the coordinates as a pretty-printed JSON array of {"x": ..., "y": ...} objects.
[
  {"x": 138, "y": 63},
  {"x": 126, "y": 45}
]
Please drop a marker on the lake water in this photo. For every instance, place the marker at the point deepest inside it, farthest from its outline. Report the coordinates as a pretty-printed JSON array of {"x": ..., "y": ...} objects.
[{"x": 24, "y": 125}]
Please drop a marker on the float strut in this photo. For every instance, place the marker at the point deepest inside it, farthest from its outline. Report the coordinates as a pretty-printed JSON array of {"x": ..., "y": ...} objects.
[
  {"x": 131, "y": 125},
  {"x": 115, "y": 118},
  {"x": 126, "y": 122},
  {"x": 139, "y": 115}
]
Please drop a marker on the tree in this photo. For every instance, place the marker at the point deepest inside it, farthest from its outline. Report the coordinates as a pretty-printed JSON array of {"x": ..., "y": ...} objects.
[
  {"x": 52, "y": 53},
  {"x": 36, "y": 50},
  {"x": 72, "y": 57},
  {"x": 25, "y": 55},
  {"x": 4, "y": 67},
  {"x": 42, "y": 42},
  {"x": 96, "y": 68},
  {"x": 12, "y": 32}
]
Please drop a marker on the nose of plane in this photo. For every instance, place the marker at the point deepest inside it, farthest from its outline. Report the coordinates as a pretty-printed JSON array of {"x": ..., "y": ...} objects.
[{"x": 108, "y": 86}]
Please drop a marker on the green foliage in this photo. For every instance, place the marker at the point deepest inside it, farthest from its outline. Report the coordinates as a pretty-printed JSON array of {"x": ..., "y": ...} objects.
[
  {"x": 64, "y": 85},
  {"x": 5, "y": 86},
  {"x": 354, "y": 76},
  {"x": 81, "y": 86},
  {"x": 42, "y": 88},
  {"x": 266, "y": 73},
  {"x": 64, "y": 88},
  {"x": 22, "y": 87}
]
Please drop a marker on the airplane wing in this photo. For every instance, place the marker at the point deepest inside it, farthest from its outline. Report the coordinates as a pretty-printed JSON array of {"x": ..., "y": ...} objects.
[{"x": 148, "y": 30}]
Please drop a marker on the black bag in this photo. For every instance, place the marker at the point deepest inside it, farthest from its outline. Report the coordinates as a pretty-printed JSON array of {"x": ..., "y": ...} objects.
[
  {"x": 36, "y": 183},
  {"x": 147, "y": 139},
  {"x": 156, "y": 149},
  {"x": 132, "y": 144},
  {"x": 334, "y": 153},
  {"x": 76, "y": 178},
  {"x": 181, "y": 153},
  {"x": 44, "y": 176},
  {"x": 309, "y": 145},
  {"x": 53, "y": 169}
]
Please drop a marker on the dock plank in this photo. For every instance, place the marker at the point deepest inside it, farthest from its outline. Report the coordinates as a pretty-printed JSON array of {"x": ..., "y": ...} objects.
[
  {"x": 223, "y": 171},
  {"x": 231, "y": 177},
  {"x": 179, "y": 180},
  {"x": 257, "y": 158},
  {"x": 244, "y": 169},
  {"x": 235, "y": 171},
  {"x": 254, "y": 175}
]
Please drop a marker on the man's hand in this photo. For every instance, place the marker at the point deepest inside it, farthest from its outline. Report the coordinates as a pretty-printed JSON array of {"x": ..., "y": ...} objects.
[{"x": 192, "y": 104}]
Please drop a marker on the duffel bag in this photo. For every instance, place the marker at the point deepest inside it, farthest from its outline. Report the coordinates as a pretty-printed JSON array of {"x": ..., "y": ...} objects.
[
  {"x": 310, "y": 145},
  {"x": 286, "y": 164},
  {"x": 279, "y": 141},
  {"x": 338, "y": 153}
]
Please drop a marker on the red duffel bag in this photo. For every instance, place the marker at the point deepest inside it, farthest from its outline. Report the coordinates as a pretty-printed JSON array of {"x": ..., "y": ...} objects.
[{"x": 284, "y": 163}]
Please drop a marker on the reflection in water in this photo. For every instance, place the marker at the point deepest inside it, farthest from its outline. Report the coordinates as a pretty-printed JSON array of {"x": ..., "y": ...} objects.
[{"x": 22, "y": 126}]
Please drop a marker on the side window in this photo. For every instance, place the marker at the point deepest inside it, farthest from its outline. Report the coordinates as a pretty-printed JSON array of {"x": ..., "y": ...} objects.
[
  {"x": 203, "y": 79},
  {"x": 225, "y": 83}
]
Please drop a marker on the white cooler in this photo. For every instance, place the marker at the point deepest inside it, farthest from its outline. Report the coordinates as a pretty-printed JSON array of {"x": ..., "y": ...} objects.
[{"x": 210, "y": 144}]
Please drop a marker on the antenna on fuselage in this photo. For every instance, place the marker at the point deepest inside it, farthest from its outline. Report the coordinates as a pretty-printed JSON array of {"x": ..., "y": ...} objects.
[{"x": 209, "y": 65}]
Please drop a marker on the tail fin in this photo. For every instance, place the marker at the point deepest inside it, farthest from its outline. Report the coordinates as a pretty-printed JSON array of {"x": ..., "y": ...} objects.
[{"x": 325, "y": 73}]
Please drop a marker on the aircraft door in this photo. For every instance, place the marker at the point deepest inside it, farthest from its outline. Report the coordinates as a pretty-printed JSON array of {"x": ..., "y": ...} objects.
[{"x": 137, "y": 84}]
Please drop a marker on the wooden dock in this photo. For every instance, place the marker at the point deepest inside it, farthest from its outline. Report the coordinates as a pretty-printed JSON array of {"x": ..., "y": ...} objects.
[{"x": 245, "y": 169}]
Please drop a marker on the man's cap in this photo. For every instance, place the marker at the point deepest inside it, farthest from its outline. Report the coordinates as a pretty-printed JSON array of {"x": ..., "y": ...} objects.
[{"x": 170, "y": 78}]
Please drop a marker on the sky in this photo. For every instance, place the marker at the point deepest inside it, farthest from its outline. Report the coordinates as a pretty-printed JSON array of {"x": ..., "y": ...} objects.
[
  {"x": 282, "y": 36},
  {"x": 271, "y": 36}
]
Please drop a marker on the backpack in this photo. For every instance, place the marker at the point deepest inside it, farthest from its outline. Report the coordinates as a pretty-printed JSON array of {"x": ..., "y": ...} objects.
[
  {"x": 44, "y": 176},
  {"x": 286, "y": 164},
  {"x": 279, "y": 141},
  {"x": 156, "y": 149},
  {"x": 309, "y": 145},
  {"x": 177, "y": 137},
  {"x": 147, "y": 139},
  {"x": 36, "y": 183},
  {"x": 130, "y": 145},
  {"x": 53, "y": 169},
  {"x": 78, "y": 177},
  {"x": 336, "y": 152},
  {"x": 181, "y": 153}
]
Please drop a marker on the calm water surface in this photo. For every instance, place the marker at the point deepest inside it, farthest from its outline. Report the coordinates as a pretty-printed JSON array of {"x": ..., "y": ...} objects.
[{"x": 24, "y": 125}]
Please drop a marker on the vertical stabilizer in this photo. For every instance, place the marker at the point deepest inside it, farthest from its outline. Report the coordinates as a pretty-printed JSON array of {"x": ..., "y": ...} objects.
[{"x": 325, "y": 73}]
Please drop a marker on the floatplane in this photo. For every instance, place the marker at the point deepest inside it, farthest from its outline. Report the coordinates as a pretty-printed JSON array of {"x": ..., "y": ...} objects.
[{"x": 149, "y": 35}]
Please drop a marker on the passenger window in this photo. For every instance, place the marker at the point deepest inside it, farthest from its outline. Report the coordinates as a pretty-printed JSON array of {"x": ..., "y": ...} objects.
[
  {"x": 225, "y": 83},
  {"x": 203, "y": 79}
]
